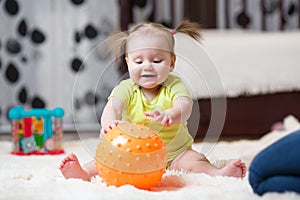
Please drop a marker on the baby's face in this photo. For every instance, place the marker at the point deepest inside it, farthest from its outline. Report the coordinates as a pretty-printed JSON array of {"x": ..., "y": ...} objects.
[{"x": 149, "y": 60}]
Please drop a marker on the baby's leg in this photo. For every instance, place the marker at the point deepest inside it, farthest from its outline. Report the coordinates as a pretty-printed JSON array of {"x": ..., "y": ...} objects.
[
  {"x": 71, "y": 168},
  {"x": 196, "y": 162}
]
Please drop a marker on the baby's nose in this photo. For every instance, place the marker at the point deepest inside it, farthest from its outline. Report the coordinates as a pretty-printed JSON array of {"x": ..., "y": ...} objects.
[{"x": 148, "y": 66}]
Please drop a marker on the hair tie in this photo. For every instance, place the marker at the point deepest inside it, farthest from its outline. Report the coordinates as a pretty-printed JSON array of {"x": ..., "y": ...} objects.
[{"x": 173, "y": 32}]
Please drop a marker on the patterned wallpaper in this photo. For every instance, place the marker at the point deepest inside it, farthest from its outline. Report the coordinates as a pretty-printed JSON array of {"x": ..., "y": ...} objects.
[{"x": 45, "y": 46}]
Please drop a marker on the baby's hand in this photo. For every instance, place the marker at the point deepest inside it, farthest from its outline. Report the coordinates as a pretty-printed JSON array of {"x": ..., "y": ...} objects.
[
  {"x": 163, "y": 117},
  {"x": 104, "y": 130}
]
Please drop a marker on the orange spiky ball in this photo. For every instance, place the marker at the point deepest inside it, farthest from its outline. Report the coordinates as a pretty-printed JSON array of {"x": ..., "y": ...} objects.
[{"x": 131, "y": 154}]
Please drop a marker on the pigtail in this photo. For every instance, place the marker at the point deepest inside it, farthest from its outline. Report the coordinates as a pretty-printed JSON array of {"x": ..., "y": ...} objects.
[
  {"x": 190, "y": 28},
  {"x": 116, "y": 44}
]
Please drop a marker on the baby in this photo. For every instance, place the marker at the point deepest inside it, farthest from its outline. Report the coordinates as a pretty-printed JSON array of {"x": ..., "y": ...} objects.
[{"x": 156, "y": 98}]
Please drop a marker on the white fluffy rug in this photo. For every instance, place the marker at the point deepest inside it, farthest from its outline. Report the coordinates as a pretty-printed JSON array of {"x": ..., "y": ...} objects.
[{"x": 38, "y": 177}]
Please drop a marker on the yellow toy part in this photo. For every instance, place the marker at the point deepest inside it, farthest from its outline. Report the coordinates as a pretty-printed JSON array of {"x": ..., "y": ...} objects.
[
  {"x": 131, "y": 154},
  {"x": 38, "y": 125}
]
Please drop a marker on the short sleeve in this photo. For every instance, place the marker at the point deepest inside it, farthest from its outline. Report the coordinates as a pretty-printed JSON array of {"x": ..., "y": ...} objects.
[
  {"x": 177, "y": 87},
  {"x": 123, "y": 91}
]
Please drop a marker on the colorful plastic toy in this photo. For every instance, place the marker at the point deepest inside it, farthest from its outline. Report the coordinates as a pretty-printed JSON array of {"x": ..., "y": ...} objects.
[
  {"x": 131, "y": 154},
  {"x": 33, "y": 133}
]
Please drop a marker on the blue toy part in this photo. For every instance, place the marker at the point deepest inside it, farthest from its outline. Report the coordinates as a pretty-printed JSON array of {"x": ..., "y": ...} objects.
[
  {"x": 19, "y": 112},
  {"x": 28, "y": 144},
  {"x": 47, "y": 128},
  {"x": 15, "y": 113}
]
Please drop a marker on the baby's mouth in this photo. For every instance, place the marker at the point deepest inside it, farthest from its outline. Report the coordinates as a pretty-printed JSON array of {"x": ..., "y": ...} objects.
[{"x": 147, "y": 75}]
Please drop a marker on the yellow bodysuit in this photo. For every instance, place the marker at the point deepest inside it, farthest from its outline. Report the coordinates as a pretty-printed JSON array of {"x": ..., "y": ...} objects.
[{"x": 176, "y": 137}]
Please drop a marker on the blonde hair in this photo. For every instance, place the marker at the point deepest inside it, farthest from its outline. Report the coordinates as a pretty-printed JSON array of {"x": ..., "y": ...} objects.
[{"x": 118, "y": 40}]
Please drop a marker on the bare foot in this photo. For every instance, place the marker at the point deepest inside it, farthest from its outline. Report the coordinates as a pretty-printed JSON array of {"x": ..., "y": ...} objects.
[
  {"x": 235, "y": 168},
  {"x": 71, "y": 168}
]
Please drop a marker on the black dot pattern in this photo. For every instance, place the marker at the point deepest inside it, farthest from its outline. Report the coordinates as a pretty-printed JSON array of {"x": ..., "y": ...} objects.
[
  {"x": 11, "y": 73},
  {"x": 90, "y": 31},
  {"x": 22, "y": 28},
  {"x": 38, "y": 102},
  {"x": 23, "y": 59},
  {"x": 24, "y": 49},
  {"x": 37, "y": 36},
  {"x": 292, "y": 9},
  {"x": 77, "y": 65},
  {"x": 77, "y": 104},
  {"x": 90, "y": 98},
  {"x": 22, "y": 97},
  {"x": 77, "y": 37},
  {"x": 77, "y": 2},
  {"x": 140, "y": 3},
  {"x": 13, "y": 46},
  {"x": 11, "y": 7},
  {"x": 243, "y": 19}
]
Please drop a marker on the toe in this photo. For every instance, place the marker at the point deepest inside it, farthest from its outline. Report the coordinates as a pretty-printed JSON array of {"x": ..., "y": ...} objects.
[
  {"x": 73, "y": 157},
  {"x": 237, "y": 163}
]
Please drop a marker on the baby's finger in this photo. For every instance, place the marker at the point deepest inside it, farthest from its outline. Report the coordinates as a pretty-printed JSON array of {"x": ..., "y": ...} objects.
[
  {"x": 159, "y": 117},
  {"x": 109, "y": 127},
  {"x": 169, "y": 122},
  {"x": 149, "y": 114},
  {"x": 117, "y": 122},
  {"x": 103, "y": 131},
  {"x": 152, "y": 114},
  {"x": 164, "y": 120}
]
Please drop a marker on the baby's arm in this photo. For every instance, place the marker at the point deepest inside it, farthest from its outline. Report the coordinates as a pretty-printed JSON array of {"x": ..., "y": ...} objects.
[
  {"x": 112, "y": 112},
  {"x": 180, "y": 112}
]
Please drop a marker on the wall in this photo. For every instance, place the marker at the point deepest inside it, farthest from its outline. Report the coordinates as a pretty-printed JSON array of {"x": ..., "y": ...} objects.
[{"x": 51, "y": 53}]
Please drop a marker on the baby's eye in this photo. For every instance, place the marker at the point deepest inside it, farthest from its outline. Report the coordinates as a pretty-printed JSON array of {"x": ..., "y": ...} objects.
[
  {"x": 138, "y": 62},
  {"x": 157, "y": 61}
]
